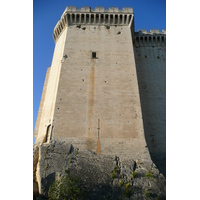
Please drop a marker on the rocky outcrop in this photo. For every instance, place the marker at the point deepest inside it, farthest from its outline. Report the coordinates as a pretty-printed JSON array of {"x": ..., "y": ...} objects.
[
  {"x": 35, "y": 162},
  {"x": 103, "y": 177}
]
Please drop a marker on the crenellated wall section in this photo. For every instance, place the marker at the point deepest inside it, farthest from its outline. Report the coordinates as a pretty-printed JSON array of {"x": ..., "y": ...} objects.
[{"x": 99, "y": 16}]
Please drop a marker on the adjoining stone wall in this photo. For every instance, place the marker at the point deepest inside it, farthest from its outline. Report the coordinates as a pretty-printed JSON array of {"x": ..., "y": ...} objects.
[{"x": 150, "y": 58}]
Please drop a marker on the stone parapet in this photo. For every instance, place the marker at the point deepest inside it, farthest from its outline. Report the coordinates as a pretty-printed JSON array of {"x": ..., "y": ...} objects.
[
  {"x": 142, "y": 37},
  {"x": 98, "y": 16}
]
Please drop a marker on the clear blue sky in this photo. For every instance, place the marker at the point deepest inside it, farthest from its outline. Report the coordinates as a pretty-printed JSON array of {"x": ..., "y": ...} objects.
[{"x": 149, "y": 14}]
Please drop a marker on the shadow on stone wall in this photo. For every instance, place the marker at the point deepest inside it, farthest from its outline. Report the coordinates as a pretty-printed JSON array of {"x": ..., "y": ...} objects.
[{"x": 153, "y": 101}]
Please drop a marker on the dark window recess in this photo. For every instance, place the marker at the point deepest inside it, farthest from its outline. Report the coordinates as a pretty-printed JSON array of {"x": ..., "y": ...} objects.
[{"x": 94, "y": 55}]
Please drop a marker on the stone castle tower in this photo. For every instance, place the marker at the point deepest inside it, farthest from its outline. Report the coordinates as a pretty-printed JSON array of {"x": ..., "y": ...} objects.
[{"x": 105, "y": 89}]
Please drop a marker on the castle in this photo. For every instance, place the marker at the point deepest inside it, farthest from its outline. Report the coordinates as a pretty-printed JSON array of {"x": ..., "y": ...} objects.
[{"x": 105, "y": 89}]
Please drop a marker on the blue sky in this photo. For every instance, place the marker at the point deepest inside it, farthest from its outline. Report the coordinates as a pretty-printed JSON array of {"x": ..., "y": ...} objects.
[{"x": 149, "y": 14}]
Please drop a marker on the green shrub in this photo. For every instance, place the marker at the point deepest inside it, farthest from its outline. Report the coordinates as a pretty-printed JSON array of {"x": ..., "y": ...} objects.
[
  {"x": 66, "y": 188},
  {"x": 147, "y": 193},
  {"x": 127, "y": 185},
  {"x": 158, "y": 197},
  {"x": 133, "y": 174},
  {"x": 115, "y": 169},
  {"x": 114, "y": 172},
  {"x": 149, "y": 174},
  {"x": 113, "y": 175},
  {"x": 128, "y": 192},
  {"x": 70, "y": 159},
  {"x": 120, "y": 183}
]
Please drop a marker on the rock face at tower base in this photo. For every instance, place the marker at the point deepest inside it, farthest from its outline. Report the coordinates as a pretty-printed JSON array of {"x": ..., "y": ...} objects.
[{"x": 103, "y": 177}]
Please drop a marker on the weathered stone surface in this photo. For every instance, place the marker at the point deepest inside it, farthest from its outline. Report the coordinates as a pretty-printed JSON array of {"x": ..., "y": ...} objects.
[
  {"x": 150, "y": 58},
  {"x": 95, "y": 173},
  {"x": 35, "y": 162}
]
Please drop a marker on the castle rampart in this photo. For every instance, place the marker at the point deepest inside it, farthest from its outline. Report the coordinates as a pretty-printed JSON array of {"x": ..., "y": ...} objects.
[
  {"x": 98, "y": 16},
  {"x": 154, "y": 37},
  {"x": 150, "y": 58}
]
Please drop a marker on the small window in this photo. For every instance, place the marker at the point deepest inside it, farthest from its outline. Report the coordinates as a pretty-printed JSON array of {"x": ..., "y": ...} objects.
[{"x": 94, "y": 55}]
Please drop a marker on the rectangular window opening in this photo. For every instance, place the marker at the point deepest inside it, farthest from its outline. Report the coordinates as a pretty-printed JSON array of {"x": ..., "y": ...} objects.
[{"x": 94, "y": 55}]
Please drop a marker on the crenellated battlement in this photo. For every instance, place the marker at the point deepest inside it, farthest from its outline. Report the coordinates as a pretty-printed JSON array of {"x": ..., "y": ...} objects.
[
  {"x": 98, "y": 16},
  {"x": 142, "y": 37}
]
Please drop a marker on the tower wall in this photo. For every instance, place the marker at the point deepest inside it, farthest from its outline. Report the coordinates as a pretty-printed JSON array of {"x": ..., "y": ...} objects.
[
  {"x": 98, "y": 105},
  {"x": 150, "y": 58},
  {"x": 51, "y": 90},
  {"x": 41, "y": 103}
]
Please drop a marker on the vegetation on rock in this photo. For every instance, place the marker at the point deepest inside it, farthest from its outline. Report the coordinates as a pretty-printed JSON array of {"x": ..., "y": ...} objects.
[
  {"x": 66, "y": 188},
  {"x": 149, "y": 174}
]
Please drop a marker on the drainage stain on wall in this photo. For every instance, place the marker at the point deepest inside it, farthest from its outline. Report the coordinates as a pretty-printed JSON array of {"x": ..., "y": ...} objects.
[
  {"x": 98, "y": 147},
  {"x": 89, "y": 142}
]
